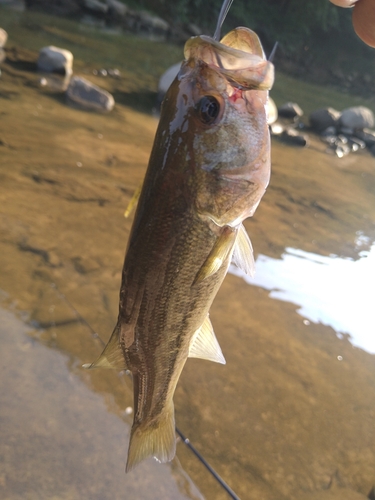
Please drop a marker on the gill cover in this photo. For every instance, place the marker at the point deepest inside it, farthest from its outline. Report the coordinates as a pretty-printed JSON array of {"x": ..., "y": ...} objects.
[{"x": 239, "y": 56}]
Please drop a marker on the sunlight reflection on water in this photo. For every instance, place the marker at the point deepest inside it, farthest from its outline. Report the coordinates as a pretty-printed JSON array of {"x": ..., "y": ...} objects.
[{"x": 330, "y": 290}]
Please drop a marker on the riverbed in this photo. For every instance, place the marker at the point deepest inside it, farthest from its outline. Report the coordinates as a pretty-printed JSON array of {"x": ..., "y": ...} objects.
[{"x": 291, "y": 414}]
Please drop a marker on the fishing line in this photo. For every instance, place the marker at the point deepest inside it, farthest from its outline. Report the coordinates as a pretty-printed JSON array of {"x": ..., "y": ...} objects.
[
  {"x": 223, "y": 14},
  {"x": 184, "y": 439},
  {"x": 221, "y": 481},
  {"x": 273, "y": 52}
]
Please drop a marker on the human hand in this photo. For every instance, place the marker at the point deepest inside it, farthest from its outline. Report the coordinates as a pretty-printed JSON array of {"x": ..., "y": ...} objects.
[{"x": 363, "y": 18}]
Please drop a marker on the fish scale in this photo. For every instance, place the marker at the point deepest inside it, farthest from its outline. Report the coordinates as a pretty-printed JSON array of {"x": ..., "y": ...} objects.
[{"x": 208, "y": 169}]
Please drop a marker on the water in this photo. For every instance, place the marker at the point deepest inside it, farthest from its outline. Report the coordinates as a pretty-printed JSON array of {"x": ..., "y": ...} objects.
[
  {"x": 330, "y": 290},
  {"x": 291, "y": 414}
]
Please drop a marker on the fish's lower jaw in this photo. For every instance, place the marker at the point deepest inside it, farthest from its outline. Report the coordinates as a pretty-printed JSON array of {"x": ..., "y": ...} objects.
[{"x": 156, "y": 440}]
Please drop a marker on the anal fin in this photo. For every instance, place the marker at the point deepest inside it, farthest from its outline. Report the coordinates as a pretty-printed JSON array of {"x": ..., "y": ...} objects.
[
  {"x": 204, "y": 344},
  {"x": 112, "y": 355},
  {"x": 243, "y": 256},
  {"x": 218, "y": 254}
]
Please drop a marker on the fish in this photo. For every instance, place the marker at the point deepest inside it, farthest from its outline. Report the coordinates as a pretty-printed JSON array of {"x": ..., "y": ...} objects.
[{"x": 208, "y": 170}]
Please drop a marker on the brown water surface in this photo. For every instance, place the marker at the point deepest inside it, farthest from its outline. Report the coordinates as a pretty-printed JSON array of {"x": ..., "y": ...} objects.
[{"x": 291, "y": 415}]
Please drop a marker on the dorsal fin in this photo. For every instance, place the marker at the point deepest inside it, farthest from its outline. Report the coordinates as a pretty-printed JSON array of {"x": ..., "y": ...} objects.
[
  {"x": 204, "y": 344},
  {"x": 112, "y": 355},
  {"x": 218, "y": 254},
  {"x": 243, "y": 256}
]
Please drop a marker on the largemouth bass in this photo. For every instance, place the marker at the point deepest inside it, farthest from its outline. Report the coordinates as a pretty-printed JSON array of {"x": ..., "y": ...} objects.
[{"x": 208, "y": 170}]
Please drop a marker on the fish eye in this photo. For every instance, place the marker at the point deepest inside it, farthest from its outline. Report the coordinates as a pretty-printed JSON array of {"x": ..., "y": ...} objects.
[{"x": 208, "y": 109}]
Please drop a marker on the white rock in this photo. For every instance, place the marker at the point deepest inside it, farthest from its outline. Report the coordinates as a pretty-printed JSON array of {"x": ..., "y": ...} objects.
[
  {"x": 55, "y": 59},
  {"x": 84, "y": 94},
  {"x": 167, "y": 78},
  {"x": 272, "y": 113},
  {"x": 3, "y": 37},
  {"x": 357, "y": 117}
]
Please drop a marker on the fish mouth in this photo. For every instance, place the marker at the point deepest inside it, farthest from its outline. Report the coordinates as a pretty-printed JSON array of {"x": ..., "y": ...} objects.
[{"x": 238, "y": 56}]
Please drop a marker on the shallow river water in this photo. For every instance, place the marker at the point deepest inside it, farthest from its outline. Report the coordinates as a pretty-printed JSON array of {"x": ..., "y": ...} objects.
[{"x": 291, "y": 415}]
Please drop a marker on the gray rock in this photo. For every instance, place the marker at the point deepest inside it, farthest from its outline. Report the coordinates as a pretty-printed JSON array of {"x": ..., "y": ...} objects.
[
  {"x": 293, "y": 137},
  {"x": 96, "y": 6},
  {"x": 3, "y": 37},
  {"x": 367, "y": 136},
  {"x": 290, "y": 110},
  {"x": 346, "y": 130},
  {"x": 357, "y": 117},
  {"x": 355, "y": 141},
  {"x": 342, "y": 150},
  {"x": 143, "y": 22},
  {"x": 84, "y": 94},
  {"x": 328, "y": 132},
  {"x": 155, "y": 23},
  {"x": 194, "y": 30},
  {"x": 323, "y": 118},
  {"x": 116, "y": 9},
  {"x": 55, "y": 59}
]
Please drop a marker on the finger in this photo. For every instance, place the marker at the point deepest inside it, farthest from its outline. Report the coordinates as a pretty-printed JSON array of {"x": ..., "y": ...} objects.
[{"x": 363, "y": 18}]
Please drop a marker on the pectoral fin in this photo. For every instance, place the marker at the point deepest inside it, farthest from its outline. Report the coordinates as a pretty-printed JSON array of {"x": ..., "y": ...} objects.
[
  {"x": 204, "y": 344},
  {"x": 112, "y": 355},
  {"x": 218, "y": 254},
  {"x": 133, "y": 201},
  {"x": 243, "y": 256}
]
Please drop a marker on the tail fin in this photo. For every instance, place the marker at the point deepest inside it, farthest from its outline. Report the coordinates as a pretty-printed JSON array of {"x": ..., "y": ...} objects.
[{"x": 157, "y": 440}]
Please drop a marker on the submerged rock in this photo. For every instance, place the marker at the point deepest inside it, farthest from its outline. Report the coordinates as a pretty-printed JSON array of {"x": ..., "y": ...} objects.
[
  {"x": 357, "y": 117},
  {"x": 84, "y": 94},
  {"x": 324, "y": 118},
  {"x": 53, "y": 59}
]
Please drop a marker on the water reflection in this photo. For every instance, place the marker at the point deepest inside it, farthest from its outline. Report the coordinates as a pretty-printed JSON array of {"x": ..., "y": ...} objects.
[{"x": 330, "y": 290}]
